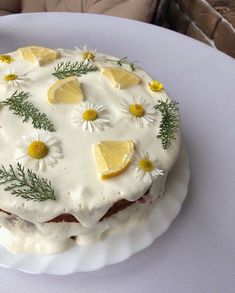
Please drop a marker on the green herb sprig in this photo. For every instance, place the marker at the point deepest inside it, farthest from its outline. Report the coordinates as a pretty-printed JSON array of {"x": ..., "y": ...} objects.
[
  {"x": 169, "y": 123},
  {"x": 20, "y": 106},
  {"x": 123, "y": 61},
  {"x": 66, "y": 69},
  {"x": 26, "y": 184}
]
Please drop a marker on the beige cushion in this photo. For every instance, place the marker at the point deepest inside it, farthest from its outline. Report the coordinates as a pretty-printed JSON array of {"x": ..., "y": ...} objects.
[
  {"x": 9, "y": 6},
  {"x": 135, "y": 9},
  {"x": 143, "y": 10}
]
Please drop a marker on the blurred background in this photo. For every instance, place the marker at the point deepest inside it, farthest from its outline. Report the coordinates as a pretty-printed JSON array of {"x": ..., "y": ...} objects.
[{"x": 209, "y": 21}]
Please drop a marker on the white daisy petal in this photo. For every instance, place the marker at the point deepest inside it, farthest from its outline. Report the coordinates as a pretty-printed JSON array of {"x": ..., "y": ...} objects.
[
  {"x": 90, "y": 124},
  {"x": 99, "y": 108},
  {"x": 56, "y": 155},
  {"x": 49, "y": 159},
  {"x": 146, "y": 118},
  {"x": 41, "y": 164},
  {"x": 139, "y": 122},
  {"x": 85, "y": 125},
  {"x": 149, "y": 175},
  {"x": 13, "y": 81},
  {"x": 21, "y": 155},
  {"x": 24, "y": 160},
  {"x": 51, "y": 141},
  {"x": 20, "y": 145},
  {"x": 35, "y": 164},
  {"x": 55, "y": 149}
]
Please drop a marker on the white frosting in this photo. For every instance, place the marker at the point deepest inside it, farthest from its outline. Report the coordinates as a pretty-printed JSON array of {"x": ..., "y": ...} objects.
[
  {"x": 74, "y": 178},
  {"x": 20, "y": 236}
]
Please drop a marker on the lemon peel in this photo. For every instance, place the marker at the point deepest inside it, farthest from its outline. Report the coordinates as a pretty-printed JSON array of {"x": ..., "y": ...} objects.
[
  {"x": 113, "y": 157},
  {"x": 40, "y": 55},
  {"x": 120, "y": 78},
  {"x": 67, "y": 90}
]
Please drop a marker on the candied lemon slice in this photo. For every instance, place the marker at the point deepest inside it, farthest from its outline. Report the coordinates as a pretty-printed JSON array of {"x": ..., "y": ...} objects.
[
  {"x": 113, "y": 157},
  {"x": 120, "y": 78},
  {"x": 66, "y": 91},
  {"x": 39, "y": 54}
]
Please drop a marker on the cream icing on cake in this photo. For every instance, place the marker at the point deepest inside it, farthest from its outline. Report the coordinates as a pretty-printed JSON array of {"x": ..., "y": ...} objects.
[{"x": 72, "y": 169}]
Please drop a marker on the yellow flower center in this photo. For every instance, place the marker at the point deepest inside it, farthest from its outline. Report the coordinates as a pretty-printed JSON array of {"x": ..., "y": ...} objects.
[
  {"x": 10, "y": 77},
  {"x": 137, "y": 110},
  {"x": 90, "y": 115},
  {"x": 5, "y": 58},
  {"x": 146, "y": 165},
  {"x": 88, "y": 55},
  {"x": 37, "y": 150},
  {"x": 155, "y": 86}
]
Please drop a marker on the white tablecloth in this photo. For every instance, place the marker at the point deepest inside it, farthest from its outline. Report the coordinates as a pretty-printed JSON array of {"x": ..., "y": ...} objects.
[{"x": 197, "y": 253}]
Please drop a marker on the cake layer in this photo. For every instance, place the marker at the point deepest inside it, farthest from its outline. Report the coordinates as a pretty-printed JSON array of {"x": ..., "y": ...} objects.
[
  {"x": 117, "y": 207},
  {"x": 20, "y": 236}
]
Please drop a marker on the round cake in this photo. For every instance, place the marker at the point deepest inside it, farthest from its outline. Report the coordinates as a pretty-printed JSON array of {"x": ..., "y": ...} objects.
[{"x": 87, "y": 141}]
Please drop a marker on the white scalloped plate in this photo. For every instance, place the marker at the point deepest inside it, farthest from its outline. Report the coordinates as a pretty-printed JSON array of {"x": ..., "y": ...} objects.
[{"x": 117, "y": 247}]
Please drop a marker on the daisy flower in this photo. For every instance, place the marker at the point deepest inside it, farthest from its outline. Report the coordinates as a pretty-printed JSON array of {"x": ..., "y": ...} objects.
[
  {"x": 12, "y": 78},
  {"x": 6, "y": 59},
  {"x": 145, "y": 168},
  {"x": 89, "y": 116},
  {"x": 139, "y": 111},
  {"x": 87, "y": 53},
  {"x": 155, "y": 86},
  {"x": 39, "y": 150}
]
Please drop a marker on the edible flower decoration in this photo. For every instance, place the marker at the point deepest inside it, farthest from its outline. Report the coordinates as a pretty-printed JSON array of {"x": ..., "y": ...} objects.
[
  {"x": 139, "y": 111},
  {"x": 6, "y": 59},
  {"x": 87, "y": 53},
  {"x": 39, "y": 150},
  {"x": 155, "y": 86},
  {"x": 145, "y": 168},
  {"x": 12, "y": 78},
  {"x": 91, "y": 117}
]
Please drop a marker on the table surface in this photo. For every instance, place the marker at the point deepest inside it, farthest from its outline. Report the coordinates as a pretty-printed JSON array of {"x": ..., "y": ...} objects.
[{"x": 197, "y": 253}]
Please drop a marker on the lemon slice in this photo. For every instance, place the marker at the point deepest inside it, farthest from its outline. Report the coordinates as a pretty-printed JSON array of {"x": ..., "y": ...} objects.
[
  {"x": 38, "y": 54},
  {"x": 113, "y": 157},
  {"x": 120, "y": 78},
  {"x": 66, "y": 91}
]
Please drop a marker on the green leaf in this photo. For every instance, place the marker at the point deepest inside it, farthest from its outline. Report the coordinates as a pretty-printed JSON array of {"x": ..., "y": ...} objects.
[
  {"x": 26, "y": 184},
  {"x": 19, "y": 105},
  {"x": 123, "y": 61},
  {"x": 169, "y": 122},
  {"x": 67, "y": 69}
]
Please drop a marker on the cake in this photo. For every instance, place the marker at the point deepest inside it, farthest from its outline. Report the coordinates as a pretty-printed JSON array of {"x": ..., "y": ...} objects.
[{"x": 87, "y": 142}]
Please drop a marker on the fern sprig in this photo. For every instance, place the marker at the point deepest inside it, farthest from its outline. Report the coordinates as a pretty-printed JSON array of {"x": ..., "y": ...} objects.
[
  {"x": 169, "y": 122},
  {"x": 20, "y": 106},
  {"x": 26, "y": 184},
  {"x": 66, "y": 69},
  {"x": 123, "y": 61}
]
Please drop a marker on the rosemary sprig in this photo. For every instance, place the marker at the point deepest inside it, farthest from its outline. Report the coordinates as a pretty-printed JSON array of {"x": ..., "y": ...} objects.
[
  {"x": 20, "y": 106},
  {"x": 66, "y": 69},
  {"x": 26, "y": 184},
  {"x": 123, "y": 61},
  {"x": 169, "y": 123}
]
